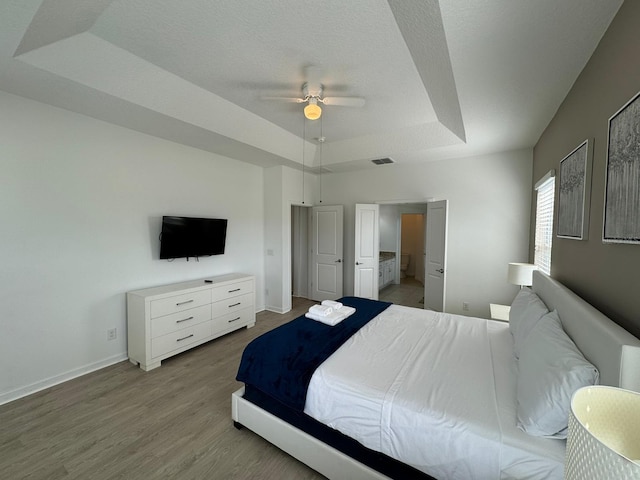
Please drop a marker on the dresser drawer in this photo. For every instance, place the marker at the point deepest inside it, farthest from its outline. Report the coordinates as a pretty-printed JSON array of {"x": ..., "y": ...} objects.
[
  {"x": 235, "y": 319},
  {"x": 181, "y": 338},
  {"x": 231, "y": 290},
  {"x": 179, "y": 303},
  {"x": 177, "y": 321},
  {"x": 231, "y": 305}
]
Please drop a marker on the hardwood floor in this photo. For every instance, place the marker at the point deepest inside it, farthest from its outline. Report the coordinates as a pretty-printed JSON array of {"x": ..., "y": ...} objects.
[{"x": 123, "y": 423}]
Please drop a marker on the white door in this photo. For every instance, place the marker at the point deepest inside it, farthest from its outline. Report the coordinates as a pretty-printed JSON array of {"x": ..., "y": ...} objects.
[
  {"x": 326, "y": 252},
  {"x": 367, "y": 249},
  {"x": 436, "y": 247}
]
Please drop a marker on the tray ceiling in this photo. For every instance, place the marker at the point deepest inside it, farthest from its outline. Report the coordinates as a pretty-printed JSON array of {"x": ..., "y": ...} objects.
[{"x": 441, "y": 79}]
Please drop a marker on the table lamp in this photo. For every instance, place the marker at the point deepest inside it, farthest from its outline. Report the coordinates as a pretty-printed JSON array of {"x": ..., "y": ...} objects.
[
  {"x": 604, "y": 434},
  {"x": 521, "y": 274}
]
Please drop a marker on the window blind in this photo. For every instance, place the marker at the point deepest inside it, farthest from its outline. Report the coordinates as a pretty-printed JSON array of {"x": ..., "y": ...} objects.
[{"x": 544, "y": 222}]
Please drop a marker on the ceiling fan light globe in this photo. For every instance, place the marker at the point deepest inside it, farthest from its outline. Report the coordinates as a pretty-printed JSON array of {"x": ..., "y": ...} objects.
[{"x": 312, "y": 111}]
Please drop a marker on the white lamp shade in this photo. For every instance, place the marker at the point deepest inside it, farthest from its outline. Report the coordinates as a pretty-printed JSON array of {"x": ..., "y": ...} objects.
[
  {"x": 521, "y": 273},
  {"x": 604, "y": 434}
]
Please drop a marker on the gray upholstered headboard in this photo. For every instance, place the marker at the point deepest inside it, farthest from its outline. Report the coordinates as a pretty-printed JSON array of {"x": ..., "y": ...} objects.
[{"x": 613, "y": 350}]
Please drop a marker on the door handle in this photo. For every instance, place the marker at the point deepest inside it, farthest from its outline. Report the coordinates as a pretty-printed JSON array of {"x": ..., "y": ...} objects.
[
  {"x": 358, "y": 263},
  {"x": 440, "y": 270},
  {"x": 339, "y": 260}
]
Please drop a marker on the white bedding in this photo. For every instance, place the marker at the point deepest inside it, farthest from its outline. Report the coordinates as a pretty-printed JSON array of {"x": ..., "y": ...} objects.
[{"x": 435, "y": 391}]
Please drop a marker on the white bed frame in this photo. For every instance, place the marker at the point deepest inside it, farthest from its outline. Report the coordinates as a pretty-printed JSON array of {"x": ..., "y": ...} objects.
[{"x": 613, "y": 350}]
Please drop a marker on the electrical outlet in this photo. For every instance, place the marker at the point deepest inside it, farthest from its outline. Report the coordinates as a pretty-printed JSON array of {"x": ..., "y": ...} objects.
[
  {"x": 465, "y": 306},
  {"x": 112, "y": 334}
]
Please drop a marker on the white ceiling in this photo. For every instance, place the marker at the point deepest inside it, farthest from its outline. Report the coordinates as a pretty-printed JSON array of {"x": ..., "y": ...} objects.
[{"x": 441, "y": 79}]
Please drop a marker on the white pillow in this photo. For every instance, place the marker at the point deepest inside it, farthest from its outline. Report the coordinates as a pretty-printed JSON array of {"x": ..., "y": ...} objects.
[
  {"x": 526, "y": 310},
  {"x": 550, "y": 370}
]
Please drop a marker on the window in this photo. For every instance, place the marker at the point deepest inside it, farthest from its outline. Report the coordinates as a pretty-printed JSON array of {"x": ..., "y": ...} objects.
[{"x": 545, "y": 189}]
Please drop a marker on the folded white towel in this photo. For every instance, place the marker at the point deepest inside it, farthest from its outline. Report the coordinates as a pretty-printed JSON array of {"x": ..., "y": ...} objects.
[
  {"x": 347, "y": 310},
  {"x": 333, "y": 304},
  {"x": 331, "y": 319},
  {"x": 321, "y": 310}
]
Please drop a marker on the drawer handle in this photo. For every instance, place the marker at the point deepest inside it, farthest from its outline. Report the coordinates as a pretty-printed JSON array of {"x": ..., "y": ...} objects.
[
  {"x": 233, "y": 320},
  {"x": 184, "y": 320},
  {"x": 184, "y": 338},
  {"x": 183, "y": 303},
  {"x": 236, "y": 290},
  {"x": 235, "y": 304}
]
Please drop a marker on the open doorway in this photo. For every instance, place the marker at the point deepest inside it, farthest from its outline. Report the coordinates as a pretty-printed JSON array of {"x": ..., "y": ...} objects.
[
  {"x": 299, "y": 251},
  {"x": 402, "y": 244},
  {"x": 412, "y": 248}
]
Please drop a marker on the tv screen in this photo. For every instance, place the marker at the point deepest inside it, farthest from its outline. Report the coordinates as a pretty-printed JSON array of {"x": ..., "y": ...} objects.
[{"x": 192, "y": 237}]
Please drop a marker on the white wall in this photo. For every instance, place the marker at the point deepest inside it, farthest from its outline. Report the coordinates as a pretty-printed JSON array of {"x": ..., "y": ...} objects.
[
  {"x": 283, "y": 187},
  {"x": 273, "y": 239},
  {"x": 81, "y": 203},
  {"x": 389, "y": 224},
  {"x": 489, "y": 204}
]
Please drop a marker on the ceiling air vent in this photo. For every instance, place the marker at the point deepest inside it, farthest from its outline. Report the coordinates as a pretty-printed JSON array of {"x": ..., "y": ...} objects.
[{"x": 382, "y": 161}]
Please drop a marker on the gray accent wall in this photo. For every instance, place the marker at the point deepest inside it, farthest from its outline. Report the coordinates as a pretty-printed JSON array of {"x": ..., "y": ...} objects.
[{"x": 606, "y": 275}]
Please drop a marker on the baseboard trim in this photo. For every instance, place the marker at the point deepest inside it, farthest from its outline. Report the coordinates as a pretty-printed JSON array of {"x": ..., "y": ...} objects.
[
  {"x": 63, "y": 377},
  {"x": 276, "y": 309}
]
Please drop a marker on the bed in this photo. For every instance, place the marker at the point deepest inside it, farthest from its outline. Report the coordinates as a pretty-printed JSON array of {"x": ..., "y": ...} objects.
[{"x": 359, "y": 415}]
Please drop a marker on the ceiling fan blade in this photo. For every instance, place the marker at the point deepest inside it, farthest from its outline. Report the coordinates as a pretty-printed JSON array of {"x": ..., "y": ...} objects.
[
  {"x": 344, "y": 101},
  {"x": 284, "y": 99}
]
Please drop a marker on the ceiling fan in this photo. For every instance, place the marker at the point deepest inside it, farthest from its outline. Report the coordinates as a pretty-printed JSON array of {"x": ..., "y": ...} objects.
[{"x": 313, "y": 94}]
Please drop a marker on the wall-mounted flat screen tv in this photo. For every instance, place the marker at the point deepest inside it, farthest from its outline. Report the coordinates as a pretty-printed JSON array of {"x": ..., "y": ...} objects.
[{"x": 192, "y": 237}]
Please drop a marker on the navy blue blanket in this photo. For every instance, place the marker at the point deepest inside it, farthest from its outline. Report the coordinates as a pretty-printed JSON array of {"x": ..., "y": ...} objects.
[{"x": 281, "y": 362}]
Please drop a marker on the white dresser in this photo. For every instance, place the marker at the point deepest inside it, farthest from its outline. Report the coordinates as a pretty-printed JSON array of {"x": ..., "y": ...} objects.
[{"x": 169, "y": 319}]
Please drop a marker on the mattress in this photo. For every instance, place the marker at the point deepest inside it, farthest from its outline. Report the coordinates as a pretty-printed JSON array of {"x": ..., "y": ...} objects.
[{"x": 435, "y": 391}]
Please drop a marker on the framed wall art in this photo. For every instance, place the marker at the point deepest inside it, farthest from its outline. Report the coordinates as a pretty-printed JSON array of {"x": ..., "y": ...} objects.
[
  {"x": 575, "y": 193},
  {"x": 622, "y": 191}
]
